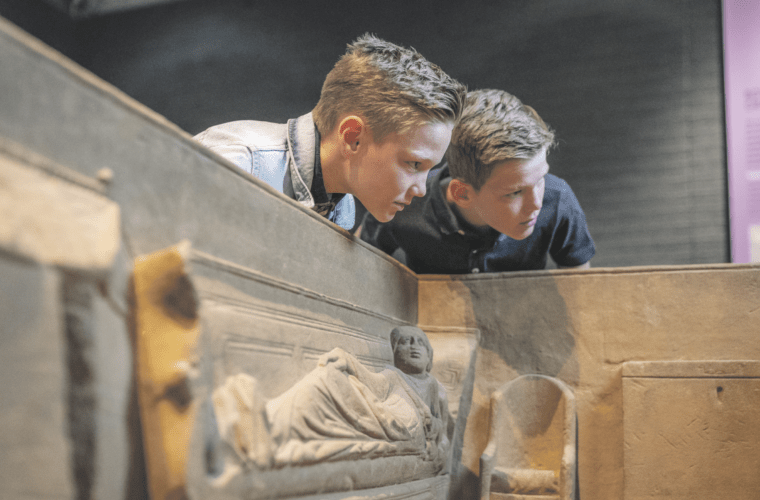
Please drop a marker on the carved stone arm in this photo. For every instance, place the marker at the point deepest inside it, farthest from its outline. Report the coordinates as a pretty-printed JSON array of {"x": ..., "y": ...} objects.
[{"x": 347, "y": 363}]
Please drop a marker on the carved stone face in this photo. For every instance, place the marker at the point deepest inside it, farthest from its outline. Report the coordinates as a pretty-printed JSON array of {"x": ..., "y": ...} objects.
[{"x": 411, "y": 354}]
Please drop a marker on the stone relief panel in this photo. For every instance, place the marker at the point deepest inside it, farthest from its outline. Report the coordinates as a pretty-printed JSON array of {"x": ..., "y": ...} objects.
[
  {"x": 255, "y": 388},
  {"x": 339, "y": 411}
]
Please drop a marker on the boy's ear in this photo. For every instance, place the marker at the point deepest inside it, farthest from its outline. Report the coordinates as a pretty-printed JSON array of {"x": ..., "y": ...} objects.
[
  {"x": 352, "y": 132},
  {"x": 460, "y": 192}
]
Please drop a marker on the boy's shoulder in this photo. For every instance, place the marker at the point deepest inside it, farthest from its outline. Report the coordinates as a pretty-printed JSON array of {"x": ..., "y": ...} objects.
[
  {"x": 255, "y": 133},
  {"x": 556, "y": 183},
  {"x": 558, "y": 191}
]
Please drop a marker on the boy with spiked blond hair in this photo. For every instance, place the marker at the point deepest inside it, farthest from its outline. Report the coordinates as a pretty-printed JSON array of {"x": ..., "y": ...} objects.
[
  {"x": 383, "y": 120},
  {"x": 493, "y": 206}
]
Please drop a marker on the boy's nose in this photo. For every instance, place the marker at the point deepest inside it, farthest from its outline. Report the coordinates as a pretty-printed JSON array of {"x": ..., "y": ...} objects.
[
  {"x": 418, "y": 187},
  {"x": 535, "y": 200}
]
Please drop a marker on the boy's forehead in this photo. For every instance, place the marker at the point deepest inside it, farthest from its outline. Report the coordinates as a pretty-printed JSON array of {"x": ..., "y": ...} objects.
[
  {"x": 406, "y": 129},
  {"x": 426, "y": 140},
  {"x": 519, "y": 172},
  {"x": 421, "y": 126}
]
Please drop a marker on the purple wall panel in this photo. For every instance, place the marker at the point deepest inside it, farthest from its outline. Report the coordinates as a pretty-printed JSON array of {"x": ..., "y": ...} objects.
[{"x": 742, "y": 79}]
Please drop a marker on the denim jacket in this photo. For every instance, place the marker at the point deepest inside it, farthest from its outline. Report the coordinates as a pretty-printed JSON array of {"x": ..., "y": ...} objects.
[{"x": 282, "y": 155}]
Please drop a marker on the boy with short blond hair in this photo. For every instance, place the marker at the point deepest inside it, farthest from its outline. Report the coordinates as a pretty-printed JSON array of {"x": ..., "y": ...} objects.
[
  {"x": 384, "y": 119},
  {"x": 493, "y": 206}
]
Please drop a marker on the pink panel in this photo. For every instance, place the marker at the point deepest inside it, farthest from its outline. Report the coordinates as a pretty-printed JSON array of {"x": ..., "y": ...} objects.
[{"x": 741, "y": 34}]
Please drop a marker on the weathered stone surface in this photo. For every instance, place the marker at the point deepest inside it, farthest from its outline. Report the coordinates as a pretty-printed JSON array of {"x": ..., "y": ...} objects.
[
  {"x": 581, "y": 327},
  {"x": 36, "y": 458},
  {"x": 692, "y": 369},
  {"x": 531, "y": 440},
  {"x": 691, "y": 429},
  {"x": 47, "y": 218},
  {"x": 112, "y": 366}
]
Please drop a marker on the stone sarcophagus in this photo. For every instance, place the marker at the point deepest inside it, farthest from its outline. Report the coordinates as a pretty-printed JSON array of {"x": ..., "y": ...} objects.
[{"x": 250, "y": 387}]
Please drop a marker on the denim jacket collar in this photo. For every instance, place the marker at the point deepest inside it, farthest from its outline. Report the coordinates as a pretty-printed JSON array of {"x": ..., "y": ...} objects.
[{"x": 301, "y": 157}]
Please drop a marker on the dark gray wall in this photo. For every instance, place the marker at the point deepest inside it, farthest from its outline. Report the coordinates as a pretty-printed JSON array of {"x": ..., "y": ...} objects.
[{"x": 633, "y": 89}]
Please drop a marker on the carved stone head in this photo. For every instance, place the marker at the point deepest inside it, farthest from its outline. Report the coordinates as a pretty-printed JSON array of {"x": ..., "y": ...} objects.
[{"x": 412, "y": 352}]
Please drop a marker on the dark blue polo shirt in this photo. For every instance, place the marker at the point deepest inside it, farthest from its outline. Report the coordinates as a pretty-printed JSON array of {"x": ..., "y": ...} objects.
[{"x": 435, "y": 239}]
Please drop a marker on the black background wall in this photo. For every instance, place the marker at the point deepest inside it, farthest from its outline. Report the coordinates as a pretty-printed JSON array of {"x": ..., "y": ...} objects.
[{"x": 633, "y": 89}]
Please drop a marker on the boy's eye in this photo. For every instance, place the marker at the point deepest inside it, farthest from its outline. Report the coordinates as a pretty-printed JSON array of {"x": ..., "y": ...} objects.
[
  {"x": 414, "y": 164},
  {"x": 513, "y": 195}
]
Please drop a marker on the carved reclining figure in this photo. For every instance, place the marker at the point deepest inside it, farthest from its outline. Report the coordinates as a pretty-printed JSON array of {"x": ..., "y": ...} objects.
[{"x": 340, "y": 411}]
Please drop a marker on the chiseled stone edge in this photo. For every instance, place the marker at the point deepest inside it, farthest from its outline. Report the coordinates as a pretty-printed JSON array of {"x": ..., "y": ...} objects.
[{"x": 692, "y": 369}]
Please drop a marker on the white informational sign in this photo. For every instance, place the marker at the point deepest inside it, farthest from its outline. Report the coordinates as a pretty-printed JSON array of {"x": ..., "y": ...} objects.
[{"x": 741, "y": 46}]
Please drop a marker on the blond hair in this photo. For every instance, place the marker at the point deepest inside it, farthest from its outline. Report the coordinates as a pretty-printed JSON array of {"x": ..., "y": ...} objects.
[
  {"x": 392, "y": 88},
  {"x": 495, "y": 127}
]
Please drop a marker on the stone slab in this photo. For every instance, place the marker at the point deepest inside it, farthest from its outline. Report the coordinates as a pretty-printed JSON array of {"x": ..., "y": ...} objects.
[
  {"x": 36, "y": 451},
  {"x": 691, "y": 437},
  {"x": 51, "y": 217}
]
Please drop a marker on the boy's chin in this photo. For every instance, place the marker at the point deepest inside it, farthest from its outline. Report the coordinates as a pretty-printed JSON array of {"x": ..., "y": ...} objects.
[
  {"x": 384, "y": 217},
  {"x": 520, "y": 235}
]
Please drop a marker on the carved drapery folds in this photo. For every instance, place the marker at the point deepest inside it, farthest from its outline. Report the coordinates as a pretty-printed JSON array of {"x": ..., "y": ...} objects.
[{"x": 339, "y": 411}]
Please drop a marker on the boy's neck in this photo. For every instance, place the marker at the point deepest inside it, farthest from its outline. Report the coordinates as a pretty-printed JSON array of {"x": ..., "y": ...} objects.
[{"x": 333, "y": 164}]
